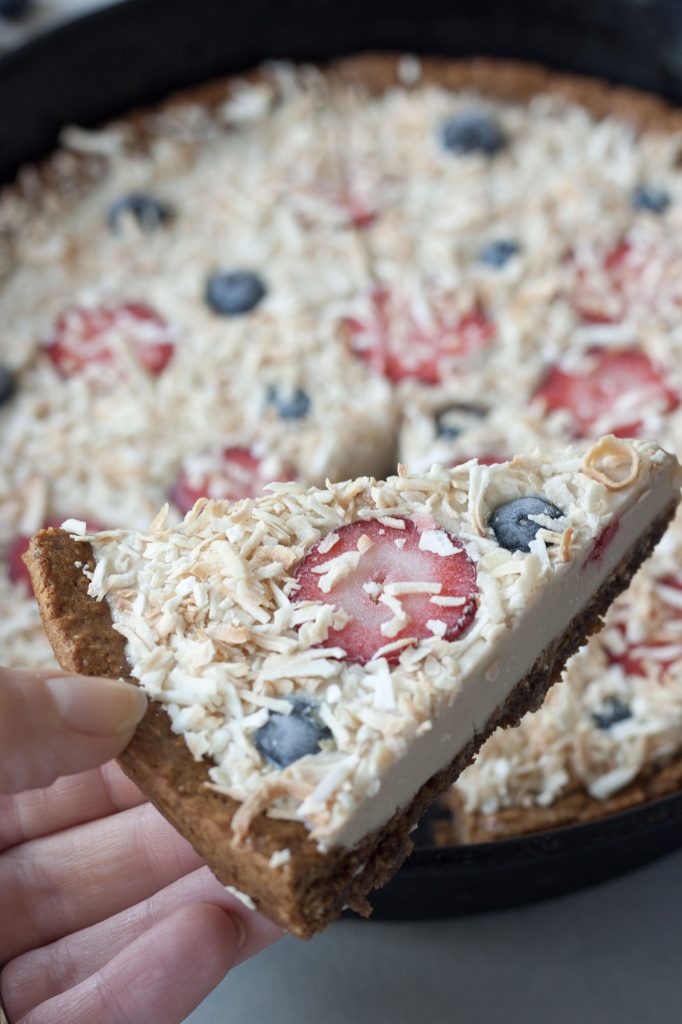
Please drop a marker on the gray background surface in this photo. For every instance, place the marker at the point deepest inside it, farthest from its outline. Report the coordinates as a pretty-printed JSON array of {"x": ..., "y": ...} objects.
[{"x": 608, "y": 955}]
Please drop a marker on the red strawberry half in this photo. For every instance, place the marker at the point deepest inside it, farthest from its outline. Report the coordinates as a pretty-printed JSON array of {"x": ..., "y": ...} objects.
[
  {"x": 361, "y": 213},
  {"x": 349, "y": 201},
  {"x": 16, "y": 570},
  {"x": 487, "y": 459},
  {"x": 661, "y": 647},
  {"x": 383, "y": 559},
  {"x": 394, "y": 344},
  {"x": 606, "y": 396},
  {"x": 84, "y": 340},
  {"x": 231, "y": 474},
  {"x": 358, "y": 195},
  {"x": 630, "y": 276},
  {"x": 361, "y": 217},
  {"x": 599, "y": 294}
]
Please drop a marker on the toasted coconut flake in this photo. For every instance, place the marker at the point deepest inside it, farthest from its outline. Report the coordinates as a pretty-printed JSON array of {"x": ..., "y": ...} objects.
[
  {"x": 279, "y": 858},
  {"x": 612, "y": 462},
  {"x": 272, "y": 788},
  {"x": 565, "y": 547}
]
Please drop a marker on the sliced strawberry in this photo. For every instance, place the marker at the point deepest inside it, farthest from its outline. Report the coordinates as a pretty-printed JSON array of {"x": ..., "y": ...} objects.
[
  {"x": 632, "y": 275},
  {"x": 399, "y": 348},
  {"x": 603, "y": 540},
  {"x": 356, "y": 196},
  {"x": 624, "y": 378},
  {"x": 16, "y": 570},
  {"x": 663, "y": 641},
  {"x": 361, "y": 217},
  {"x": 347, "y": 200},
  {"x": 631, "y": 665},
  {"x": 598, "y": 294},
  {"x": 231, "y": 474},
  {"x": 356, "y": 208},
  {"x": 82, "y": 339},
  {"x": 487, "y": 459},
  {"x": 389, "y": 557}
]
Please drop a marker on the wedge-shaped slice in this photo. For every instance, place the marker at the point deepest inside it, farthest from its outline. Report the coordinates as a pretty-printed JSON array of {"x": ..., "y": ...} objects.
[{"x": 323, "y": 663}]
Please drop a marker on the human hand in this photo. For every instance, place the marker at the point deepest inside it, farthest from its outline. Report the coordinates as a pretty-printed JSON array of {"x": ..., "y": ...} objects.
[{"x": 106, "y": 913}]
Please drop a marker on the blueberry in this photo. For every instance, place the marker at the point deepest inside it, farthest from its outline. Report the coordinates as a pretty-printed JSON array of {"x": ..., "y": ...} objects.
[
  {"x": 472, "y": 132},
  {"x": 454, "y": 419},
  {"x": 232, "y": 292},
  {"x": 613, "y": 710},
  {"x": 150, "y": 213},
  {"x": 496, "y": 254},
  {"x": 295, "y": 407},
  {"x": 650, "y": 198},
  {"x": 8, "y": 384},
  {"x": 14, "y": 8},
  {"x": 445, "y": 427},
  {"x": 285, "y": 738},
  {"x": 511, "y": 525}
]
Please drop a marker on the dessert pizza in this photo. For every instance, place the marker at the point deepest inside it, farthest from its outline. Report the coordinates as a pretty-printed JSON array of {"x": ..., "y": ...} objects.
[
  {"x": 323, "y": 662},
  {"x": 304, "y": 275}
]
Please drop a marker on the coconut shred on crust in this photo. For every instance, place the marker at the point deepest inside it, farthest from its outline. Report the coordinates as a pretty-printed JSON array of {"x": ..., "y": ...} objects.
[{"x": 208, "y": 609}]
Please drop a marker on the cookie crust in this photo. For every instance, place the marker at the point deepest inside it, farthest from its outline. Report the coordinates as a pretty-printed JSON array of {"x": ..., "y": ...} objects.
[
  {"x": 575, "y": 807},
  {"x": 375, "y": 72},
  {"x": 513, "y": 81}
]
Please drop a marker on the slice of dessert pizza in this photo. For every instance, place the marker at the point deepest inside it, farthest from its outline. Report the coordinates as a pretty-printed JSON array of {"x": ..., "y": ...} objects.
[{"x": 322, "y": 663}]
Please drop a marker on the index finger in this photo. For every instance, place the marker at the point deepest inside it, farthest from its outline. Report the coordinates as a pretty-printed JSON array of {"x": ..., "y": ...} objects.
[
  {"x": 161, "y": 976},
  {"x": 71, "y": 800}
]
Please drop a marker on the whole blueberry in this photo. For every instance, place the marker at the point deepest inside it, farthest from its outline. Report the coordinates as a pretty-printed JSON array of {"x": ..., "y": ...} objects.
[
  {"x": 513, "y": 528},
  {"x": 651, "y": 198},
  {"x": 150, "y": 213},
  {"x": 472, "y": 131},
  {"x": 446, "y": 427},
  {"x": 286, "y": 738},
  {"x": 232, "y": 292},
  {"x": 612, "y": 711},
  {"x": 496, "y": 254},
  {"x": 8, "y": 384},
  {"x": 294, "y": 406},
  {"x": 453, "y": 419},
  {"x": 14, "y": 8}
]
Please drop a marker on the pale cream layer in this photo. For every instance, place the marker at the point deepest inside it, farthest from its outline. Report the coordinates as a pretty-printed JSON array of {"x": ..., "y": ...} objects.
[{"x": 484, "y": 689}]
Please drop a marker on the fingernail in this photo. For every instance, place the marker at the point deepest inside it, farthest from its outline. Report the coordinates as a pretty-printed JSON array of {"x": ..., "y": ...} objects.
[
  {"x": 241, "y": 929},
  {"x": 97, "y": 707}
]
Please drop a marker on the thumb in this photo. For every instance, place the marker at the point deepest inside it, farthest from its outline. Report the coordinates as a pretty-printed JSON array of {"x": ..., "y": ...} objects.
[{"x": 52, "y": 725}]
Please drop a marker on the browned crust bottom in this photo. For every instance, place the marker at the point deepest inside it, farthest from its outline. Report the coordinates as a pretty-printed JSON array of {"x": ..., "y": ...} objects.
[
  {"x": 515, "y": 81},
  {"x": 312, "y": 888},
  {"x": 573, "y": 807},
  {"x": 374, "y": 73},
  {"x": 499, "y": 78}
]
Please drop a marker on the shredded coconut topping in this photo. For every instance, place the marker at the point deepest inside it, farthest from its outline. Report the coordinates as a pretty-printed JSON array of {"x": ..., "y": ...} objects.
[
  {"x": 276, "y": 171},
  {"x": 222, "y": 644}
]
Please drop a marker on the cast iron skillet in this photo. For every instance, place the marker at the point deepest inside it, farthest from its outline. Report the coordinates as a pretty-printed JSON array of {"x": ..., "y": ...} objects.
[{"x": 140, "y": 50}]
